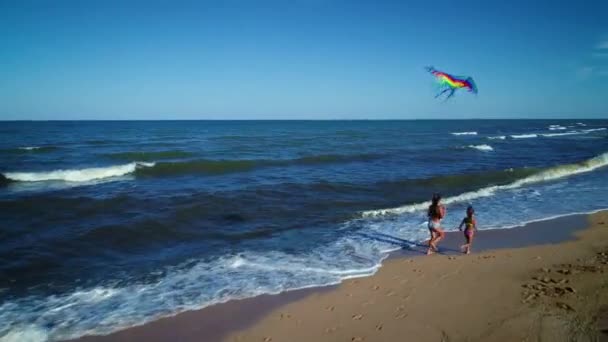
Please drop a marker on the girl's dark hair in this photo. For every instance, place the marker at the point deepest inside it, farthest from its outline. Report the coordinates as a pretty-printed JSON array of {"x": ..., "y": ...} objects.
[
  {"x": 434, "y": 210},
  {"x": 436, "y": 198},
  {"x": 470, "y": 209}
]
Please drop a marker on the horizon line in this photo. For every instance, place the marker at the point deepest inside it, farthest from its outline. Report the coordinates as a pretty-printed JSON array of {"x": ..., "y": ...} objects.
[{"x": 379, "y": 119}]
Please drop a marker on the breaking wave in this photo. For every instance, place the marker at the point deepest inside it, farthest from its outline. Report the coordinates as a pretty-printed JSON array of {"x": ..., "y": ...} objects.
[
  {"x": 549, "y": 174},
  {"x": 77, "y": 175},
  {"x": 524, "y": 136},
  {"x": 484, "y": 147},
  {"x": 164, "y": 169},
  {"x": 463, "y": 133}
]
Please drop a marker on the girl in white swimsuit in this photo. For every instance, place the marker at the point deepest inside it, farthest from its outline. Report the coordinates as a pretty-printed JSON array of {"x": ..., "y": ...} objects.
[{"x": 435, "y": 214}]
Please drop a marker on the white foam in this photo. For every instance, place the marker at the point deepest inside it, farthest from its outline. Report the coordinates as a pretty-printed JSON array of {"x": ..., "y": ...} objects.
[
  {"x": 594, "y": 130},
  {"x": 484, "y": 147},
  {"x": 29, "y": 148},
  {"x": 581, "y": 124},
  {"x": 560, "y": 134},
  {"x": 524, "y": 136},
  {"x": 101, "y": 310},
  {"x": 78, "y": 175},
  {"x": 543, "y": 176},
  {"x": 464, "y": 133},
  {"x": 30, "y": 333},
  {"x": 498, "y": 137},
  {"x": 556, "y": 127}
]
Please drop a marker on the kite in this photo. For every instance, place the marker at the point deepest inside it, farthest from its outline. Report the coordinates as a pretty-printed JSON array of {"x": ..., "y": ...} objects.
[{"x": 449, "y": 84}]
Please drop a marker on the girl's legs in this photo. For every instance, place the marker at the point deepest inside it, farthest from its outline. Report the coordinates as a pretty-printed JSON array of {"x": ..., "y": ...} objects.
[
  {"x": 432, "y": 247},
  {"x": 470, "y": 242},
  {"x": 437, "y": 234},
  {"x": 466, "y": 248}
]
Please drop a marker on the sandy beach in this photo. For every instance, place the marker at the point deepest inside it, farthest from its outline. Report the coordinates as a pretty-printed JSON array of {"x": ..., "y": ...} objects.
[{"x": 549, "y": 291}]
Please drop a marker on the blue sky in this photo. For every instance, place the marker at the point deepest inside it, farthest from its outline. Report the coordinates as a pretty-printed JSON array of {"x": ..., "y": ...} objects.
[{"x": 301, "y": 59}]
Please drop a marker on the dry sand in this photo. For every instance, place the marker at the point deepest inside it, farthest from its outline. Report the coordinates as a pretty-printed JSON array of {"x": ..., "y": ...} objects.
[
  {"x": 551, "y": 292},
  {"x": 544, "y": 293}
]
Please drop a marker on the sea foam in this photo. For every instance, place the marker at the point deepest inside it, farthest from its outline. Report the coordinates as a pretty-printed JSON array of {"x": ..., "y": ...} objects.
[
  {"x": 524, "y": 136},
  {"x": 464, "y": 133},
  {"x": 484, "y": 147}
]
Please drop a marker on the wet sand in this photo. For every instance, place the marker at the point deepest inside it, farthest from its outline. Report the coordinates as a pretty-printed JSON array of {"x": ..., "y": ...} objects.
[{"x": 543, "y": 280}]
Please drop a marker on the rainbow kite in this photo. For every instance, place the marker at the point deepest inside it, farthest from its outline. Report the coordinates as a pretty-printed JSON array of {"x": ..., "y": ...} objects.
[{"x": 449, "y": 83}]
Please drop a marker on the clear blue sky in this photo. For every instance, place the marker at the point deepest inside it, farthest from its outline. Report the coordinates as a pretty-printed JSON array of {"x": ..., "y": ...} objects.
[{"x": 308, "y": 59}]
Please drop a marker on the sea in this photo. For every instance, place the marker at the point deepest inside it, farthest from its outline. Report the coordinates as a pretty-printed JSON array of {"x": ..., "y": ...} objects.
[{"x": 110, "y": 224}]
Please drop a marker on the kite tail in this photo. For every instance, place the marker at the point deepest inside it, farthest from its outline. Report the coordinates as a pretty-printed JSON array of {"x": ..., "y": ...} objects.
[{"x": 472, "y": 84}]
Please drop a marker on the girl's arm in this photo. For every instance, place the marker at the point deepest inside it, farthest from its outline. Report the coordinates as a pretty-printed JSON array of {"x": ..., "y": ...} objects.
[
  {"x": 461, "y": 224},
  {"x": 475, "y": 224}
]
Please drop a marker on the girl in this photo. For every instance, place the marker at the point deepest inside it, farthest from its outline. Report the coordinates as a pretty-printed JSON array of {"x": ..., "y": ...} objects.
[
  {"x": 469, "y": 230},
  {"x": 435, "y": 214}
]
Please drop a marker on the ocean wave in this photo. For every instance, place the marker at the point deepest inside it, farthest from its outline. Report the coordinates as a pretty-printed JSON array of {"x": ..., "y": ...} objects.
[
  {"x": 209, "y": 166},
  {"x": 561, "y": 134},
  {"x": 556, "y": 127},
  {"x": 149, "y": 156},
  {"x": 30, "y": 149},
  {"x": 463, "y": 133},
  {"x": 164, "y": 169},
  {"x": 483, "y": 147},
  {"x": 498, "y": 137},
  {"x": 77, "y": 175},
  {"x": 4, "y": 181},
  {"x": 549, "y": 174},
  {"x": 524, "y": 136},
  {"x": 594, "y": 130}
]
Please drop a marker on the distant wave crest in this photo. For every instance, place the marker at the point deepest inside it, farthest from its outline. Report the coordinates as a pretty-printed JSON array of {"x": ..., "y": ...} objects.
[
  {"x": 463, "y": 133},
  {"x": 149, "y": 156},
  {"x": 524, "y": 136},
  {"x": 29, "y": 149},
  {"x": 484, "y": 147}
]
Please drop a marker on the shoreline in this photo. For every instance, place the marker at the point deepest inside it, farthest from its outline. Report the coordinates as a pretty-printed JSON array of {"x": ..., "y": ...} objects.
[{"x": 219, "y": 321}]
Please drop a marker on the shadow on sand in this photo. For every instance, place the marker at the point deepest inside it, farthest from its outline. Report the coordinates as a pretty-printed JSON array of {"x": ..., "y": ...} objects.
[{"x": 408, "y": 245}]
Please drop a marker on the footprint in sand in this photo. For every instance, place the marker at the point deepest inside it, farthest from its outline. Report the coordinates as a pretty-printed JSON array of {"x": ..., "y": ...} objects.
[
  {"x": 379, "y": 326},
  {"x": 357, "y": 317},
  {"x": 330, "y": 308},
  {"x": 287, "y": 316},
  {"x": 330, "y": 330},
  {"x": 401, "y": 315},
  {"x": 390, "y": 293},
  {"x": 267, "y": 339},
  {"x": 400, "y": 308},
  {"x": 376, "y": 287},
  {"x": 357, "y": 339}
]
